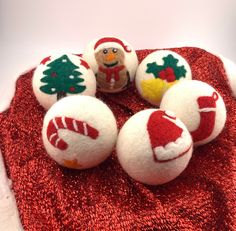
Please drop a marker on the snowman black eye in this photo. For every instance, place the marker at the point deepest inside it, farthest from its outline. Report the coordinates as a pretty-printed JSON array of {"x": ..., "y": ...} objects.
[
  {"x": 105, "y": 51},
  {"x": 114, "y": 50}
]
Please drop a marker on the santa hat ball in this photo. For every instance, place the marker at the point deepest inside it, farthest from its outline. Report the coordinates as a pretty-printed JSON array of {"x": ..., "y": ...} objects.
[
  {"x": 79, "y": 132},
  {"x": 158, "y": 72},
  {"x": 62, "y": 75},
  {"x": 113, "y": 61},
  {"x": 199, "y": 106},
  {"x": 154, "y": 147}
]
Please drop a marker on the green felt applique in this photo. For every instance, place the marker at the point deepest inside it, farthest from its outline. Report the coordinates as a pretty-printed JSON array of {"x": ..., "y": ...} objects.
[
  {"x": 62, "y": 77},
  {"x": 170, "y": 62}
]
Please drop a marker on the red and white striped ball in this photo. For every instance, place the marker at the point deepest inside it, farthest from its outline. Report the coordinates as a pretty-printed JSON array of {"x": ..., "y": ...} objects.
[
  {"x": 199, "y": 106},
  {"x": 154, "y": 147},
  {"x": 79, "y": 132}
]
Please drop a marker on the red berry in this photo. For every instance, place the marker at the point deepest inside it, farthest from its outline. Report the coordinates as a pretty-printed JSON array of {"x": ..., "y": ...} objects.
[
  {"x": 54, "y": 74},
  {"x": 72, "y": 89}
]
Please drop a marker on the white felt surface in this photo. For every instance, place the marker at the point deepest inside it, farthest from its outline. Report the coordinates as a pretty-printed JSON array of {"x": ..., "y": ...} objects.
[
  {"x": 47, "y": 100},
  {"x": 135, "y": 154},
  {"x": 182, "y": 100},
  {"x": 230, "y": 68},
  {"x": 157, "y": 57},
  {"x": 88, "y": 152}
]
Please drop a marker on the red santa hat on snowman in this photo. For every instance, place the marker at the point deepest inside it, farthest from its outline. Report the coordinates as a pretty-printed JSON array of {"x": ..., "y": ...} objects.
[
  {"x": 130, "y": 60},
  {"x": 111, "y": 42}
]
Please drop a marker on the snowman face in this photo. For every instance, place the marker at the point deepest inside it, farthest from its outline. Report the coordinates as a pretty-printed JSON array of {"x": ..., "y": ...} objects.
[{"x": 110, "y": 57}]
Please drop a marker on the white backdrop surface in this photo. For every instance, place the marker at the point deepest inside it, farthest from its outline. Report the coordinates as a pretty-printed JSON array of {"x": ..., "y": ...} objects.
[{"x": 30, "y": 30}]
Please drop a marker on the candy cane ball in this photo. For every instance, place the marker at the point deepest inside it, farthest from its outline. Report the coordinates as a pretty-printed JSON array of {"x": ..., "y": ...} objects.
[
  {"x": 114, "y": 62},
  {"x": 154, "y": 147},
  {"x": 79, "y": 132},
  {"x": 199, "y": 106},
  {"x": 62, "y": 75}
]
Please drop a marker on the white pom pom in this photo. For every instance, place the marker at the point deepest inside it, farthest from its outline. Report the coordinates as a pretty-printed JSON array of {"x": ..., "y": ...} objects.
[
  {"x": 79, "y": 132},
  {"x": 199, "y": 106},
  {"x": 154, "y": 148},
  {"x": 62, "y": 75}
]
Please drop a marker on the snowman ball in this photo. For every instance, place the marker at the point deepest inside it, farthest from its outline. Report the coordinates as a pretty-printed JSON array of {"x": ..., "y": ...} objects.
[
  {"x": 158, "y": 72},
  {"x": 58, "y": 76},
  {"x": 113, "y": 61},
  {"x": 154, "y": 147},
  {"x": 199, "y": 106},
  {"x": 79, "y": 132}
]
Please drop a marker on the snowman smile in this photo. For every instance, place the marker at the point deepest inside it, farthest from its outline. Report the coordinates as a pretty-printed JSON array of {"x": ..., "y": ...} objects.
[
  {"x": 110, "y": 64},
  {"x": 173, "y": 150}
]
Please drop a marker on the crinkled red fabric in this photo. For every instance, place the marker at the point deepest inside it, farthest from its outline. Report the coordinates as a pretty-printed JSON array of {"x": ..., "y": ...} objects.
[{"x": 50, "y": 197}]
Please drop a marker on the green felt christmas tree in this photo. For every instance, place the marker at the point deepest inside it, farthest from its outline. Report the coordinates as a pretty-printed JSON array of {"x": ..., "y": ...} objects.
[
  {"x": 169, "y": 71},
  {"x": 62, "y": 77}
]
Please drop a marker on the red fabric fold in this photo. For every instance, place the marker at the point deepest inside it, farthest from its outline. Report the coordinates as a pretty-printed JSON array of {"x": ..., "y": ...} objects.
[{"x": 50, "y": 197}]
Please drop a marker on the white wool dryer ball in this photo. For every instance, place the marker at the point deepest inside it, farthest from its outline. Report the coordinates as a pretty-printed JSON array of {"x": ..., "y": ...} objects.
[
  {"x": 79, "y": 132},
  {"x": 199, "y": 106},
  {"x": 113, "y": 61},
  {"x": 62, "y": 75},
  {"x": 158, "y": 72},
  {"x": 154, "y": 147}
]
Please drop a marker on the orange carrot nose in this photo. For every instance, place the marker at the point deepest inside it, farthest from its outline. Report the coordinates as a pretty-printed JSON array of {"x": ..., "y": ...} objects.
[{"x": 110, "y": 57}]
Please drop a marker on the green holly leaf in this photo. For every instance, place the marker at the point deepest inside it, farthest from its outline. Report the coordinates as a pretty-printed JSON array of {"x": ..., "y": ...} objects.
[
  {"x": 171, "y": 61},
  {"x": 75, "y": 89},
  {"x": 154, "y": 69},
  {"x": 48, "y": 89}
]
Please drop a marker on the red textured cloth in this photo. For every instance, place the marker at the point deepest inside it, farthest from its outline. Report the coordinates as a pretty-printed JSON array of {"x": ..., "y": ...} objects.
[{"x": 50, "y": 197}]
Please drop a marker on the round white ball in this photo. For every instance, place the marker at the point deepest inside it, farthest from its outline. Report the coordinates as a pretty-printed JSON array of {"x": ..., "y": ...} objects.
[
  {"x": 79, "y": 132},
  {"x": 199, "y": 106},
  {"x": 147, "y": 149},
  {"x": 158, "y": 72},
  {"x": 48, "y": 85},
  {"x": 124, "y": 59}
]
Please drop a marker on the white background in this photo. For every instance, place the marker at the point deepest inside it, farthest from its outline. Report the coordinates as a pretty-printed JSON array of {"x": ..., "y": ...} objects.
[{"x": 30, "y": 29}]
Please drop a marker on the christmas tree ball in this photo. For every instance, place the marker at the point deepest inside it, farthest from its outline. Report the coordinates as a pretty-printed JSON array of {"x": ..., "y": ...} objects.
[
  {"x": 62, "y": 75},
  {"x": 79, "y": 132},
  {"x": 154, "y": 147},
  {"x": 113, "y": 61},
  {"x": 199, "y": 106},
  {"x": 158, "y": 72}
]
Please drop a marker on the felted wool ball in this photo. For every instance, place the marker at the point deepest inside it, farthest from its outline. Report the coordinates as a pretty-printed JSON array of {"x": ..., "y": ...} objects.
[
  {"x": 158, "y": 72},
  {"x": 58, "y": 76},
  {"x": 79, "y": 132},
  {"x": 154, "y": 147},
  {"x": 113, "y": 61},
  {"x": 199, "y": 106}
]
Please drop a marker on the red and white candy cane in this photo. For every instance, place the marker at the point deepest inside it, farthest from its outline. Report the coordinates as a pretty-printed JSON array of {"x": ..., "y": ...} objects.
[{"x": 70, "y": 124}]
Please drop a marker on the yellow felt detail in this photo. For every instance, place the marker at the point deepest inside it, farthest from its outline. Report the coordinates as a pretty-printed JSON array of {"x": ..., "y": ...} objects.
[
  {"x": 154, "y": 89},
  {"x": 71, "y": 164}
]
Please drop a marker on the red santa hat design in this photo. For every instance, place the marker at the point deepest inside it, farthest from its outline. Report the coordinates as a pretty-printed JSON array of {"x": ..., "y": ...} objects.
[
  {"x": 167, "y": 145},
  {"x": 107, "y": 42}
]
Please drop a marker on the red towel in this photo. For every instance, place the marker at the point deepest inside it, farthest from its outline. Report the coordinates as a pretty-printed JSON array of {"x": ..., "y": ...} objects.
[{"x": 50, "y": 197}]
